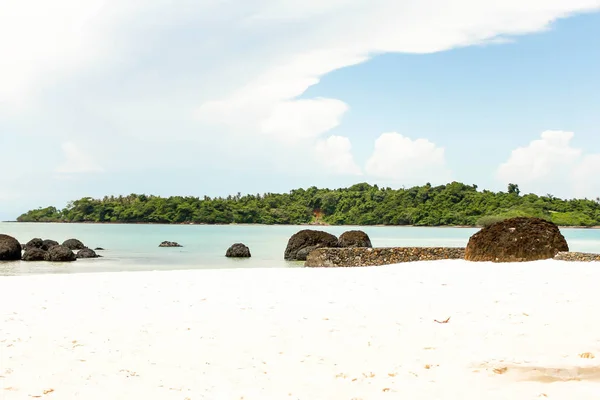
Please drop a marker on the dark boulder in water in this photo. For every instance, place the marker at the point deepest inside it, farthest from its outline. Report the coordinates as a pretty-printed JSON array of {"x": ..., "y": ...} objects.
[
  {"x": 47, "y": 244},
  {"x": 354, "y": 239},
  {"x": 86, "y": 253},
  {"x": 10, "y": 248},
  {"x": 515, "y": 240},
  {"x": 34, "y": 254},
  {"x": 35, "y": 243},
  {"x": 98, "y": 248},
  {"x": 73, "y": 244},
  {"x": 238, "y": 250},
  {"x": 59, "y": 254},
  {"x": 166, "y": 243},
  {"x": 307, "y": 240}
]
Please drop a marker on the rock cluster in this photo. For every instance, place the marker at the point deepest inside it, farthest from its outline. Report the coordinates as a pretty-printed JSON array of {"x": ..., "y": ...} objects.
[
  {"x": 515, "y": 240},
  {"x": 43, "y": 250},
  {"x": 364, "y": 257},
  {"x": 238, "y": 250}
]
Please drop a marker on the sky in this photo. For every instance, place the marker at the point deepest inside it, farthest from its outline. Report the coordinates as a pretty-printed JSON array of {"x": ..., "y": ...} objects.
[{"x": 215, "y": 97}]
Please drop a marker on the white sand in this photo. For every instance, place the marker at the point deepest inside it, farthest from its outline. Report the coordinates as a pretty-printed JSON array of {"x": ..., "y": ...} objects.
[{"x": 361, "y": 333}]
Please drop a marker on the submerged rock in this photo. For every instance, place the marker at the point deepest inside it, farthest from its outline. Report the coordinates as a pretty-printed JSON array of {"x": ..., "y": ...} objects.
[
  {"x": 59, "y": 254},
  {"x": 86, "y": 253},
  {"x": 34, "y": 254},
  {"x": 73, "y": 244},
  {"x": 166, "y": 243},
  {"x": 367, "y": 256},
  {"x": 354, "y": 239},
  {"x": 10, "y": 248},
  {"x": 515, "y": 240},
  {"x": 98, "y": 248},
  {"x": 238, "y": 250},
  {"x": 305, "y": 241}
]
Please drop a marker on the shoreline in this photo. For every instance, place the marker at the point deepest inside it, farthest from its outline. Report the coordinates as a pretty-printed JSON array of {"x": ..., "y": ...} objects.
[{"x": 253, "y": 224}]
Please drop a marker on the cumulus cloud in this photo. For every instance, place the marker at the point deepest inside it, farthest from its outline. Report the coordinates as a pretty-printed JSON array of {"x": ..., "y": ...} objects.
[
  {"x": 335, "y": 153},
  {"x": 77, "y": 161},
  {"x": 199, "y": 72},
  {"x": 400, "y": 159},
  {"x": 551, "y": 165}
]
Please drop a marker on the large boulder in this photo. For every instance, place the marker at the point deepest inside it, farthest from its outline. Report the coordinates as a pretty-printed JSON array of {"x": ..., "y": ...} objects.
[
  {"x": 34, "y": 254},
  {"x": 47, "y": 244},
  {"x": 166, "y": 243},
  {"x": 354, "y": 239},
  {"x": 59, "y": 254},
  {"x": 305, "y": 241},
  {"x": 516, "y": 239},
  {"x": 86, "y": 253},
  {"x": 73, "y": 244},
  {"x": 238, "y": 250},
  {"x": 35, "y": 243},
  {"x": 10, "y": 248}
]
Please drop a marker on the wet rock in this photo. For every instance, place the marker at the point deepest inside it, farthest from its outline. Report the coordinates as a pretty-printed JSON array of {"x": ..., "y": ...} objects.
[
  {"x": 48, "y": 244},
  {"x": 60, "y": 254},
  {"x": 34, "y": 254},
  {"x": 307, "y": 240},
  {"x": 238, "y": 250},
  {"x": 86, "y": 253},
  {"x": 35, "y": 243},
  {"x": 354, "y": 239},
  {"x": 166, "y": 243},
  {"x": 10, "y": 248},
  {"x": 515, "y": 240},
  {"x": 73, "y": 244}
]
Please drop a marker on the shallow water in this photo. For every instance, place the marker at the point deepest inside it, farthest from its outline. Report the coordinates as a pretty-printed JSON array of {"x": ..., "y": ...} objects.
[{"x": 135, "y": 247}]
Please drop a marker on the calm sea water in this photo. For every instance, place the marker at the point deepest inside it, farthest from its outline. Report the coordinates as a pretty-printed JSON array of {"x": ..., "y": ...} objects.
[{"x": 135, "y": 247}]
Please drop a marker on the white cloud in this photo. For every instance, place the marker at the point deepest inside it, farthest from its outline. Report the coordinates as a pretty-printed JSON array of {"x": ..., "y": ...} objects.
[
  {"x": 335, "y": 153},
  {"x": 399, "y": 159},
  {"x": 585, "y": 177},
  {"x": 551, "y": 165},
  {"x": 77, "y": 161},
  {"x": 190, "y": 74}
]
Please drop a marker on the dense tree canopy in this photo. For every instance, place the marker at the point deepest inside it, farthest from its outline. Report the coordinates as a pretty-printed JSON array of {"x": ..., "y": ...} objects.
[{"x": 361, "y": 204}]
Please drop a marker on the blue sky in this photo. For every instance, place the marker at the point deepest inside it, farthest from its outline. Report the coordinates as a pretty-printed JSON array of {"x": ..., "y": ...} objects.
[{"x": 195, "y": 98}]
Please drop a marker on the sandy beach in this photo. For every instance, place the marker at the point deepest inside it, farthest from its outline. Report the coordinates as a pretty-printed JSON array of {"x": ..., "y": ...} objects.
[{"x": 515, "y": 331}]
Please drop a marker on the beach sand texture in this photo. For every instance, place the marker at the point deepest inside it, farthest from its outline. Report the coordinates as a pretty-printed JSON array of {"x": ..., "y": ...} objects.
[{"x": 516, "y": 331}]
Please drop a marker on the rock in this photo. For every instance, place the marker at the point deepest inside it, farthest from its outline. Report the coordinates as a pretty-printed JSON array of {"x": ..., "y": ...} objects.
[
  {"x": 73, "y": 244},
  {"x": 166, "y": 243},
  {"x": 60, "y": 253},
  {"x": 34, "y": 254},
  {"x": 98, "y": 248},
  {"x": 305, "y": 241},
  {"x": 10, "y": 248},
  {"x": 35, "y": 243},
  {"x": 367, "y": 256},
  {"x": 354, "y": 239},
  {"x": 239, "y": 250},
  {"x": 575, "y": 256},
  {"x": 86, "y": 253},
  {"x": 515, "y": 240},
  {"x": 48, "y": 244}
]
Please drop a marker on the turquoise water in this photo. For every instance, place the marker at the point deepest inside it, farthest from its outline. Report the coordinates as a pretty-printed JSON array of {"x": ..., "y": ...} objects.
[{"x": 135, "y": 247}]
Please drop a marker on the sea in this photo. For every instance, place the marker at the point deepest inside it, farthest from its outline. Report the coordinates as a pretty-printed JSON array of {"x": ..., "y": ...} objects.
[{"x": 134, "y": 247}]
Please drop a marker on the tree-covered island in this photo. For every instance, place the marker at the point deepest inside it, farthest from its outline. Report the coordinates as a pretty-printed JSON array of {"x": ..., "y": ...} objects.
[{"x": 360, "y": 204}]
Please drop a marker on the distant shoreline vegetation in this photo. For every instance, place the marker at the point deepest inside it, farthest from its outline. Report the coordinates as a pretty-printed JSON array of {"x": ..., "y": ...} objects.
[{"x": 454, "y": 204}]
